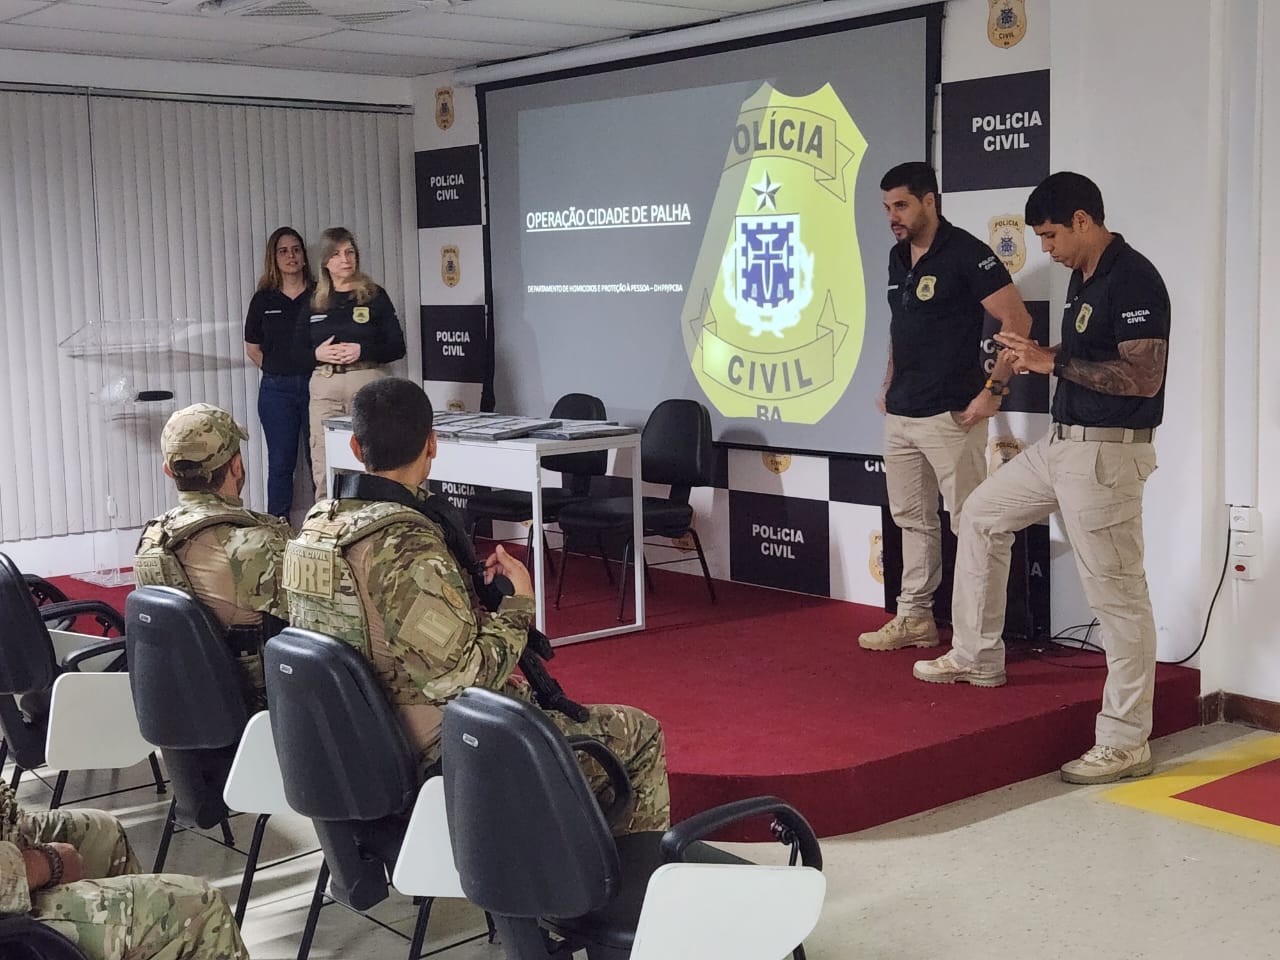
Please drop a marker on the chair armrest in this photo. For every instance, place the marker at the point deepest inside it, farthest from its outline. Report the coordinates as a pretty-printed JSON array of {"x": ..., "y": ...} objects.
[
  {"x": 618, "y": 812},
  {"x": 78, "y": 656},
  {"x": 788, "y": 826},
  {"x": 106, "y": 614}
]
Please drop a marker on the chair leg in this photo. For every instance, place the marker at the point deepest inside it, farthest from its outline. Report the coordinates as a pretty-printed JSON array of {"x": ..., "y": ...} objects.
[
  {"x": 250, "y": 867},
  {"x": 16, "y": 778},
  {"x": 161, "y": 789},
  {"x": 163, "y": 852},
  {"x": 702, "y": 559},
  {"x": 420, "y": 928},
  {"x": 521, "y": 937},
  {"x": 493, "y": 931},
  {"x": 648, "y": 577},
  {"x": 313, "y": 914},
  {"x": 4, "y": 751},
  {"x": 564, "y": 565},
  {"x": 58, "y": 787},
  {"x": 228, "y": 837},
  {"x": 546, "y": 549},
  {"x": 622, "y": 581},
  {"x": 798, "y": 953},
  {"x": 604, "y": 558}
]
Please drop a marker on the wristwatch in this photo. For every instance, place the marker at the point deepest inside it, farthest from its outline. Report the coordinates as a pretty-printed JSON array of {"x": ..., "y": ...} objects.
[
  {"x": 1060, "y": 361},
  {"x": 997, "y": 388},
  {"x": 54, "y": 859}
]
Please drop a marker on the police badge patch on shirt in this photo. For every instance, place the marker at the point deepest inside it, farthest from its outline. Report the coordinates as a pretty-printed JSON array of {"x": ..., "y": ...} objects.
[
  {"x": 1082, "y": 318},
  {"x": 924, "y": 289},
  {"x": 360, "y": 314}
]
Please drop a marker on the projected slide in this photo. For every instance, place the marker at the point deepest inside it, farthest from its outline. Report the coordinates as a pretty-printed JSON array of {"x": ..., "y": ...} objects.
[{"x": 707, "y": 228}]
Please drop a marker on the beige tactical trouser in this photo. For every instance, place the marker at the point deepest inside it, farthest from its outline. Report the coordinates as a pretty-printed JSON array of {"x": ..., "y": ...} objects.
[
  {"x": 331, "y": 395},
  {"x": 925, "y": 456},
  {"x": 1098, "y": 488}
]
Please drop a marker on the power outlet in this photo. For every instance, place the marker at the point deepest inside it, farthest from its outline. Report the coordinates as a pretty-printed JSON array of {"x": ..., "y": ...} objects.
[{"x": 1246, "y": 519}]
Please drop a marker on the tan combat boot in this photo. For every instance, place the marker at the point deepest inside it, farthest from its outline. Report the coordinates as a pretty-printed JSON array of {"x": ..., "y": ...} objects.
[{"x": 901, "y": 632}]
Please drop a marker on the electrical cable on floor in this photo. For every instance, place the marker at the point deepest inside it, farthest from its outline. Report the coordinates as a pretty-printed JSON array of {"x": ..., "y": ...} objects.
[
  {"x": 1065, "y": 640},
  {"x": 1226, "y": 559}
]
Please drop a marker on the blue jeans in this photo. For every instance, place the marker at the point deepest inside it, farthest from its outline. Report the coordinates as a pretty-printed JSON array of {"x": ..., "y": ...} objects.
[{"x": 282, "y": 408}]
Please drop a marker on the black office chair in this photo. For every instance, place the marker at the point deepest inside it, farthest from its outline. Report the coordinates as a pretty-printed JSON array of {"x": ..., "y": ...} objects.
[
  {"x": 346, "y": 764},
  {"x": 188, "y": 696},
  {"x": 676, "y": 449},
  {"x": 24, "y": 938},
  {"x": 533, "y": 847},
  {"x": 516, "y": 506},
  {"x": 28, "y": 669}
]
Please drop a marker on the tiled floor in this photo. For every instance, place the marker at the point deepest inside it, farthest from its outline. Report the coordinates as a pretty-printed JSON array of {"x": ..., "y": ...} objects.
[{"x": 1038, "y": 870}]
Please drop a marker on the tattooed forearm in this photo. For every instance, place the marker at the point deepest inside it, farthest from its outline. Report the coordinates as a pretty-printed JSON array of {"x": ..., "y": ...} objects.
[{"x": 1138, "y": 373}]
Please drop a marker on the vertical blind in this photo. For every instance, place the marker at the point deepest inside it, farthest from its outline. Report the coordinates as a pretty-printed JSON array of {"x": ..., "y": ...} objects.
[{"x": 120, "y": 208}]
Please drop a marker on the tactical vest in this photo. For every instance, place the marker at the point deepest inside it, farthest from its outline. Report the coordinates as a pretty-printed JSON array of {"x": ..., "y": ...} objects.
[
  {"x": 323, "y": 595},
  {"x": 156, "y": 565}
]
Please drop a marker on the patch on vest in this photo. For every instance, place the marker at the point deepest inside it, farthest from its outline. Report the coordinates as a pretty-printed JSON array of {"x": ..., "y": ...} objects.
[
  {"x": 309, "y": 570},
  {"x": 149, "y": 570},
  {"x": 431, "y": 623}
]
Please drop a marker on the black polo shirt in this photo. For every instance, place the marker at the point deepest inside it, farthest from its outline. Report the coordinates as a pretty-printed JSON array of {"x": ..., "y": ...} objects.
[
  {"x": 1125, "y": 299},
  {"x": 937, "y": 320},
  {"x": 278, "y": 324},
  {"x": 373, "y": 325}
]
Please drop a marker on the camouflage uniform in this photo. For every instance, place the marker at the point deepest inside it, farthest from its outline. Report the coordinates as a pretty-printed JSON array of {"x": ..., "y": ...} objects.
[
  {"x": 210, "y": 546},
  {"x": 116, "y": 914},
  {"x": 379, "y": 577}
]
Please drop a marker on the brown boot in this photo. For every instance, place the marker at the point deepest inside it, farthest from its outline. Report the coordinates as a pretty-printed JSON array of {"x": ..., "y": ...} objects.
[{"x": 901, "y": 632}]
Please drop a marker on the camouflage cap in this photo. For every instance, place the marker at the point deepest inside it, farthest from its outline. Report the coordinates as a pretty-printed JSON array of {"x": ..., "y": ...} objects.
[{"x": 199, "y": 439}]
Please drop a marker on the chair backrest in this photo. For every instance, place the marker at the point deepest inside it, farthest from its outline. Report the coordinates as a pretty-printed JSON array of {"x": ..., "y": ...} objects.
[
  {"x": 344, "y": 758},
  {"x": 26, "y": 654},
  {"x": 528, "y": 836},
  {"x": 254, "y": 784},
  {"x": 742, "y": 910},
  {"x": 25, "y": 938},
  {"x": 579, "y": 468},
  {"x": 425, "y": 865},
  {"x": 186, "y": 688},
  {"x": 343, "y": 754},
  {"x": 675, "y": 447}
]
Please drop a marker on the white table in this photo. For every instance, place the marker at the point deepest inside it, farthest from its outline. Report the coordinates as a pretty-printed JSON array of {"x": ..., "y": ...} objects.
[{"x": 513, "y": 465}]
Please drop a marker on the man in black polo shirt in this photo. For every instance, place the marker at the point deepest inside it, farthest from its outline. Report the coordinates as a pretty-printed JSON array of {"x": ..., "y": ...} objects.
[
  {"x": 936, "y": 397},
  {"x": 1092, "y": 465}
]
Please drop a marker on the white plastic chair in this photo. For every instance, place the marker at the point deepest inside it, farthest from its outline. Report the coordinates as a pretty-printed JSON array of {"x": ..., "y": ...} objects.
[
  {"x": 428, "y": 869},
  {"x": 693, "y": 911}
]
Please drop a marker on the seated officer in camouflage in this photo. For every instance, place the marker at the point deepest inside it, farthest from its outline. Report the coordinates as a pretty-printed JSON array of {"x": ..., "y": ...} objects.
[
  {"x": 74, "y": 870},
  {"x": 378, "y": 575},
  {"x": 210, "y": 546}
]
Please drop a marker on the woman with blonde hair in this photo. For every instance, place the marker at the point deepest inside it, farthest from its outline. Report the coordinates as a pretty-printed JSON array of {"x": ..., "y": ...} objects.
[
  {"x": 354, "y": 333},
  {"x": 275, "y": 340}
]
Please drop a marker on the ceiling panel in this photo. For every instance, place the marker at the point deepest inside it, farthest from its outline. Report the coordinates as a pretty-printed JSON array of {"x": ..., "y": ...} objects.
[
  {"x": 627, "y": 15},
  {"x": 53, "y": 40},
  {"x": 494, "y": 29},
  {"x": 16, "y": 8},
  {"x": 342, "y": 61},
  {"x": 360, "y": 41},
  {"x": 196, "y": 27}
]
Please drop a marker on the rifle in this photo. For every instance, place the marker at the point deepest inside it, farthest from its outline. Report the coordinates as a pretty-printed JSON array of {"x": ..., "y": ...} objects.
[{"x": 546, "y": 689}]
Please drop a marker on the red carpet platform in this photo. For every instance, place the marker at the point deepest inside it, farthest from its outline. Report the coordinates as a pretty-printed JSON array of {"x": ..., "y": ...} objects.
[{"x": 768, "y": 693}]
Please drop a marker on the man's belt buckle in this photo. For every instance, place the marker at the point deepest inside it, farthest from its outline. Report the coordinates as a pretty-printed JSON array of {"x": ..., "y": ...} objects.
[{"x": 1066, "y": 431}]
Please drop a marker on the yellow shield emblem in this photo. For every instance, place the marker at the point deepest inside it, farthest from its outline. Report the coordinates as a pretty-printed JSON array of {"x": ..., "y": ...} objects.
[
  {"x": 444, "y": 108},
  {"x": 450, "y": 265},
  {"x": 924, "y": 289},
  {"x": 1082, "y": 318},
  {"x": 360, "y": 314},
  {"x": 456, "y": 406},
  {"x": 684, "y": 542},
  {"x": 1001, "y": 450},
  {"x": 776, "y": 462},
  {"x": 1009, "y": 241},
  {"x": 875, "y": 561},
  {"x": 774, "y": 318},
  {"x": 1006, "y": 22}
]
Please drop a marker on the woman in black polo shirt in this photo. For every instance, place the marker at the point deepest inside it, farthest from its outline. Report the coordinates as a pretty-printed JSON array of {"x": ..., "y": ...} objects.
[
  {"x": 354, "y": 333},
  {"x": 275, "y": 339}
]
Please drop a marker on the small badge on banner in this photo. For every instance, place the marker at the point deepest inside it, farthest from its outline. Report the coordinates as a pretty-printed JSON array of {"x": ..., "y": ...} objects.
[{"x": 1006, "y": 22}]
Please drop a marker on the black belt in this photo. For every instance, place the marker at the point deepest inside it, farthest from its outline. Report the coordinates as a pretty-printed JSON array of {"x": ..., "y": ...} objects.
[{"x": 1067, "y": 431}]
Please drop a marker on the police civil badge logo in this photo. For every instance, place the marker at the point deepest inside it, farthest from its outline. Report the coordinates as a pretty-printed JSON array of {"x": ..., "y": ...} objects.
[
  {"x": 1008, "y": 235},
  {"x": 1001, "y": 450},
  {"x": 456, "y": 406},
  {"x": 444, "y": 108},
  {"x": 925, "y": 288},
  {"x": 450, "y": 265},
  {"x": 360, "y": 314},
  {"x": 1006, "y": 22},
  {"x": 773, "y": 321},
  {"x": 778, "y": 463},
  {"x": 684, "y": 542},
  {"x": 875, "y": 562},
  {"x": 1082, "y": 318}
]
